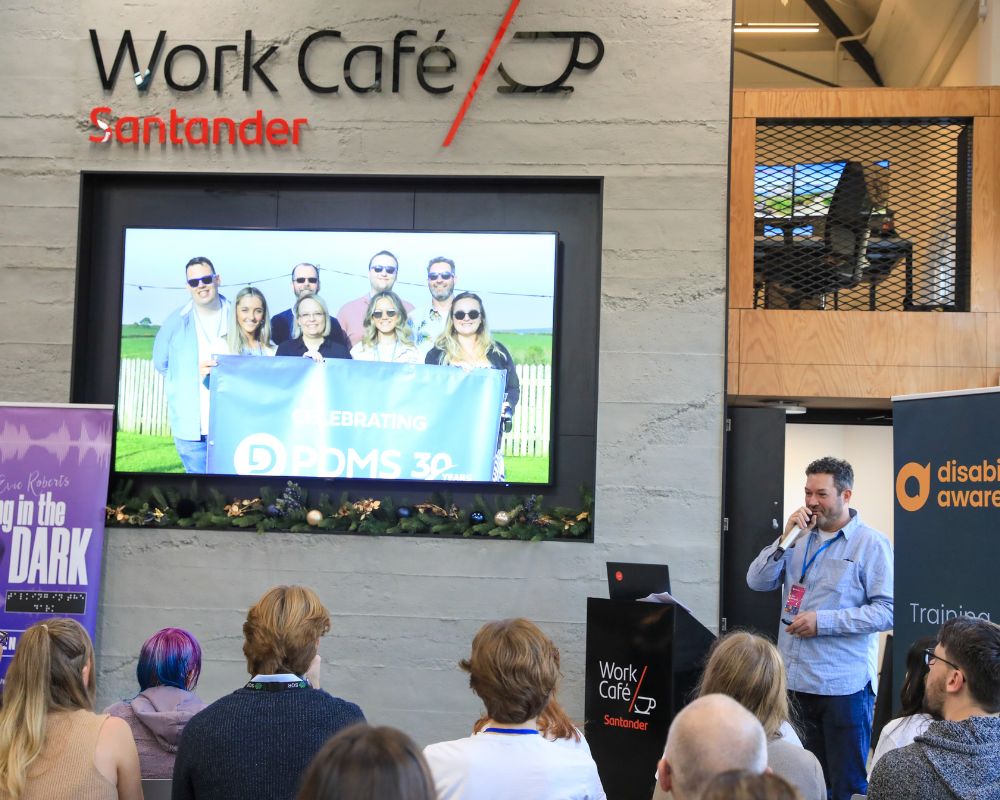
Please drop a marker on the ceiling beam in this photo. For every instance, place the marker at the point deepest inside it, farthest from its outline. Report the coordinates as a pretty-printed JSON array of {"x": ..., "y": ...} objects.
[
  {"x": 837, "y": 27},
  {"x": 771, "y": 62}
]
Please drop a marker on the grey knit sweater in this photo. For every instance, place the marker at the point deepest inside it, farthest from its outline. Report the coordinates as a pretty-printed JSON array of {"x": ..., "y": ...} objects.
[
  {"x": 256, "y": 744},
  {"x": 950, "y": 760}
]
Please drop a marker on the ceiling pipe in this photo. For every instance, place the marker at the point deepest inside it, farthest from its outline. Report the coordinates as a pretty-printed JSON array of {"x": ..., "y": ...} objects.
[{"x": 836, "y": 49}]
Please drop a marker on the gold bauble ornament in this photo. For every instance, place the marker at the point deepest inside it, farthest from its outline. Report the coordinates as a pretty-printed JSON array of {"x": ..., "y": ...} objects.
[
  {"x": 314, "y": 517},
  {"x": 502, "y": 519}
]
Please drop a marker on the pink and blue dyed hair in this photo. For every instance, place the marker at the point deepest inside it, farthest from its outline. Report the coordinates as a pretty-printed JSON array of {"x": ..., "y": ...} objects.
[{"x": 171, "y": 657}]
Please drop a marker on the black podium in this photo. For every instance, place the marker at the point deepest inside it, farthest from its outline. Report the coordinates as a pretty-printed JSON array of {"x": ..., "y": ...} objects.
[{"x": 643, "y": 661}]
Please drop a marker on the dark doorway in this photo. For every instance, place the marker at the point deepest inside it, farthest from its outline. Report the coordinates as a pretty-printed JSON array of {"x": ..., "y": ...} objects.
[{"x": 755, "y": 476}]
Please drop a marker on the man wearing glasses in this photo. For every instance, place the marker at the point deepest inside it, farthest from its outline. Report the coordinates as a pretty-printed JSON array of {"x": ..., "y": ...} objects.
[
  {"x": 383, "y": 269},
  {"x": 429, "y": 324},
  {"x": 837, "y": 586},
  {"x": 958, "y": 756},
  {"x": 184, "y": 351},
  {"x": 305, "y": 281}
]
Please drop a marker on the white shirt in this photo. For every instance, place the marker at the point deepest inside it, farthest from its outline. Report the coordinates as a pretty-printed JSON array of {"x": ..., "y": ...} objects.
[
  {"x": 899, "y": 733},
  {"x": 497, "y": 766}
]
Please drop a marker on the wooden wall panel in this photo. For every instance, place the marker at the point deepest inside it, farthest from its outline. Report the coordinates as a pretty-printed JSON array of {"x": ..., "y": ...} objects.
[
  {"x": 992, "y": 341},
  {"x": 738, "y": 97},
  {"x": 888, "y": 338},
  {"x": 985, "y": 287},
  {"x": 802, "y": 381},
  {"x": 858, "y": 354},
  {"x": 733, "y": 353},
  {"x": 972, "y": 102},
  {"x": 741, "y": 213}
]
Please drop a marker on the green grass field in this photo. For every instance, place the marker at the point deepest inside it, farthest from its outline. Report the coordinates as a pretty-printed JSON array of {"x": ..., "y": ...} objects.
[
  {"x": 137, "y": 340},
  {"x": 136, "y": 452},
  {"x": 527, "y": 348}
]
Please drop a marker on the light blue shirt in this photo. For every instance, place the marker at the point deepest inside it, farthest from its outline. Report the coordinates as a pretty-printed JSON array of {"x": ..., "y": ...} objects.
[{"x": 849, "y": 586}]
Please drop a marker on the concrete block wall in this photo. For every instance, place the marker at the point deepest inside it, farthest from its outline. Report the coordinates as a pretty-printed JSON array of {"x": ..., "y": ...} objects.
[{"x": 652, "y": 119}]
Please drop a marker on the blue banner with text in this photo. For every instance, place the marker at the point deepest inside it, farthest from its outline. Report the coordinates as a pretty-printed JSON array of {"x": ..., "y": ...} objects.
[{"x": 353, "y": 419}]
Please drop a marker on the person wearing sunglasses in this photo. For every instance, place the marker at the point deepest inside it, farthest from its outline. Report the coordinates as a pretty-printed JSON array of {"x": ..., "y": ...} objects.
[
  {"x": 959, "y": 754},
  {"x": 184, "y": 352},
  {"x": 387, "y": 335},
  {"x": 383, "y": 269},
  {"x": 305, "y": 281},
  {"x": 313, "y": 333},
  {"x": 429, "y": 324},
  {"x": 467, "y": 343}
]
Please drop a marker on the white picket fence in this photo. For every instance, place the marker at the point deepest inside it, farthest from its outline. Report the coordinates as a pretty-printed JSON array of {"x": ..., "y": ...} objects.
[
  {"x": 530, "y": 435},
  {"x": 142, "y": 406},
  {"x": 142, "y": 402}
]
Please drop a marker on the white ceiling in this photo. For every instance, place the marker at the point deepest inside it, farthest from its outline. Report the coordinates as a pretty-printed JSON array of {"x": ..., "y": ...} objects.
[{"x": 913, "y": 42}]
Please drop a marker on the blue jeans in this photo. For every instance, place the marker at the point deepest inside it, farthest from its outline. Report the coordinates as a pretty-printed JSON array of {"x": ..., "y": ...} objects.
[
  {"x": 193, "y": 453},
  {"x": 837, "y": 729}
]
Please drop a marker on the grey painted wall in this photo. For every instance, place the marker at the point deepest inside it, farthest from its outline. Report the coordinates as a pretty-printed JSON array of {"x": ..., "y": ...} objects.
[{"x": 652, "y": 119}]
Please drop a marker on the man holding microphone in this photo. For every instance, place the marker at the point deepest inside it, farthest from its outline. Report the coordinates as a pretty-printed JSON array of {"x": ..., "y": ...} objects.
[{"x": 836, "y": 577}]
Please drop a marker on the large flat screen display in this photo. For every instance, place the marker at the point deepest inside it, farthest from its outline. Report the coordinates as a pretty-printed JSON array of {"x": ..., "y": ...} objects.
[{"x": 396, "y": 355}]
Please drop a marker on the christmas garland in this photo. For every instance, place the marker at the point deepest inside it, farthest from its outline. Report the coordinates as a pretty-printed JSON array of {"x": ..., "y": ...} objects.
[{"x": 293, "y": 510}]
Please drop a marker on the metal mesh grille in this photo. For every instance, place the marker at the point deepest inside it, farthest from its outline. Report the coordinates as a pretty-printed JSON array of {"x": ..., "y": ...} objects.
[{"x": 870, "y": 215}]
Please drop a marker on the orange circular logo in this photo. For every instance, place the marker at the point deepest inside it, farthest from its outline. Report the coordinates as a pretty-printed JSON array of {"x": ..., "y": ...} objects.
[{"x": 922, "y": 474}]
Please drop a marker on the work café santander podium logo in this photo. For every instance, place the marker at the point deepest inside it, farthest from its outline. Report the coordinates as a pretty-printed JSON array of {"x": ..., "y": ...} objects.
[{"x": 188, "y": 67}]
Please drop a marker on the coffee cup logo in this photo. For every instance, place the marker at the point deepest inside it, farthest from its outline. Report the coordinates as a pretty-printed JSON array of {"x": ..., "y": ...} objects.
[
  {"x": 644, "y": 705},
  {"x": 921, "y": 473}
]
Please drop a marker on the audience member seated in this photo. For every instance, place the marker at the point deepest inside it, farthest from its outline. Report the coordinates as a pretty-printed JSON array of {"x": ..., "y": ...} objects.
[
  {"x": 711, "y": 735},
  {"x": 735, "y": 785},
  {"x": 168, "y": 670},
  {"x": 525, "y": 748},
  {"x": 52, "y": 745},
  {"x": 258, "y": 741},
  {"x": 912, "y": 719},
  {"x": 364, "y": 763},
  {"x": 958, "y": 756},
  {"x": 749, "y": 669}
]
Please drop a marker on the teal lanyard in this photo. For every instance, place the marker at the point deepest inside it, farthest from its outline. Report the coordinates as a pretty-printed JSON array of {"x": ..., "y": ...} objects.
[{"x": 808, "y": 562}]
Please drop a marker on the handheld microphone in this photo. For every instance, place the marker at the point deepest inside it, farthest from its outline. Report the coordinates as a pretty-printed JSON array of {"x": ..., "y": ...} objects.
[{"x": 787, "y": 541}]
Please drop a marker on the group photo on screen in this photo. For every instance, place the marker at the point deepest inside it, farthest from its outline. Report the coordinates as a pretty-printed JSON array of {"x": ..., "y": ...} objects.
[{"x": 410, "y": 355}]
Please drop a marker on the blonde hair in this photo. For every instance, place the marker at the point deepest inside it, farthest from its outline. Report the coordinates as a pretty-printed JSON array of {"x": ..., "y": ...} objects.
[
  {"x": 738, "y": 785},
  {"x": 282, "y": 631},
  {"x": 514, "y": 669},
  {"x": 447, "y": 342},
  {"x": 296, "y": 328},
  {"x": 749, "y": 669},
  {"x": 45, "y": 675},
  {"x": 235, "y": 337},
  {"x": 402, "y": 331}
]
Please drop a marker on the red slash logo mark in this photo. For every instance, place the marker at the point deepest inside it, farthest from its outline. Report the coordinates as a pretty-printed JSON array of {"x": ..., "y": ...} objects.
[{"x": 482, "y": 72}]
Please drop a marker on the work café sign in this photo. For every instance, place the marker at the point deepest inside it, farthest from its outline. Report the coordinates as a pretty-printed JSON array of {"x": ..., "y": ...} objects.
[{"x": 324, "y": 64}]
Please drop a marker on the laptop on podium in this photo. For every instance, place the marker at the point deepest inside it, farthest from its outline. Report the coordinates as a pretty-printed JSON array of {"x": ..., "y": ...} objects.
[{"x": 635, "y": 581}]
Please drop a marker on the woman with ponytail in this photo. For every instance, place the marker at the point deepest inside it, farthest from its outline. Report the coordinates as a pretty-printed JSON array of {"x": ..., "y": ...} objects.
[{"x": 52, "y": 745}]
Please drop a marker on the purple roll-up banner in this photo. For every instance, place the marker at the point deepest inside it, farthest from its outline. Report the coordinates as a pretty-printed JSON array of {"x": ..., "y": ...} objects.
[{"x": 54, "y": 464}]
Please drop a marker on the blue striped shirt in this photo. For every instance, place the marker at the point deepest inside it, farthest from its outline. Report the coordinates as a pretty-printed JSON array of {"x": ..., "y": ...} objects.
[{"x": 849, "y": 586}]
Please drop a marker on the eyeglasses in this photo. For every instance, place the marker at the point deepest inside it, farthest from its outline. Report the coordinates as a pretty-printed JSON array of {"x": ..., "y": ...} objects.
[
  {"x": 930, "y": 657},
  {"x": 443, "y": 276},
  {"x": 306, "y": 280},
  {"x": 460, "y": 315},
  {"x": 380, "y": 270},
  {"x": 204, "y": 280},
  {"x": 378, "y": 314},
  {"x": 312, "y": 315}
]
